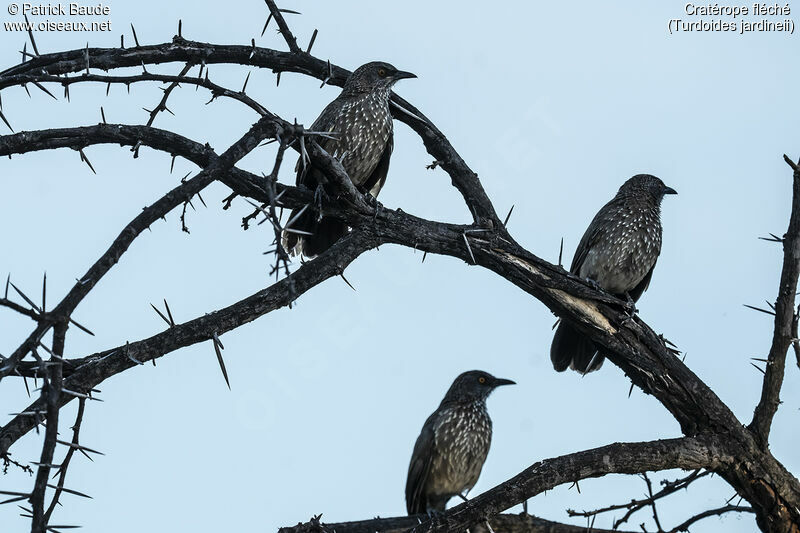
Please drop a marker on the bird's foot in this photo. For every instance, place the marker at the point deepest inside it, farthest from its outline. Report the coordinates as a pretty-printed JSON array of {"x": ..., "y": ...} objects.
[
  {"x": 319, "y": 194},
  {"x": 630, "y": 309},
  {"x": 374, "y": 204},
  {"x": 596, "y": 286},
  {"x": 435, "y": 516}
]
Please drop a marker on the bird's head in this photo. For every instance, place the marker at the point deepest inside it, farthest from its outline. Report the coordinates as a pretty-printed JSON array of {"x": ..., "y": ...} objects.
[
  {"x": 475, "y": 385},
  {"x": 375, "y": 76},
  {"x": 646, "y": 185}
]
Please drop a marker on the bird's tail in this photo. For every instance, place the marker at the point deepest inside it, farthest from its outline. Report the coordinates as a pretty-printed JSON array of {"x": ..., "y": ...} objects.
[
  {"x": 324, "y": 233},
  {"x": 416, "y": 507},
  {"x": 570, "y": 349}
]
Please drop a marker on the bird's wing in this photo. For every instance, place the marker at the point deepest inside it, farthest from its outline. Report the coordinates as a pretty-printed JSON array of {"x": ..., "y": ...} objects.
[
  {"x": 595, "y": 232},
  {"x": 326, "y": 122},
  {"x": 378, "y": 176},
  {"x": 637, "y": 291},
  {"x": 419, "y": 469}
]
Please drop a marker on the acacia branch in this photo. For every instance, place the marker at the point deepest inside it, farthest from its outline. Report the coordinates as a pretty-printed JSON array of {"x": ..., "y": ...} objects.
[
  {"x": 246, "y": 183},
  {"x": 50, "y": 399},
  {"x": 629, "y": 343},
  {"x": 216, "y": 90},
  {"x": 95, "y": 368},
  {"x": 711, "y": 512},
  {"x": 634, "y": 506},
  {"x": 263, "y": 128},
  {"x": 21, "y": 309},
  {"x": 282, "y": 26},
  {"x": 162, "y": 104},
  {"x": 620, "y": 458},
  {"x": 181, "y": 50},
  {"x": 785, "y": 320},
  {"x": 506, "y": 523},
  {"x": 62, "y": 469}
]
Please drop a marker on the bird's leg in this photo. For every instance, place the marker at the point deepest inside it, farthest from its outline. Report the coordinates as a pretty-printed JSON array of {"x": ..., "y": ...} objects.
[
  {"x": 435, "y": 515},
  {"x": 319, "y": 193},
  {"x": 630, "y": 305},
  {"x": 630, "y": 309},
  {"x": 372, "y": 201},
  {"x": 463, "y": 495},
  {"x": 378, "y": 208}
]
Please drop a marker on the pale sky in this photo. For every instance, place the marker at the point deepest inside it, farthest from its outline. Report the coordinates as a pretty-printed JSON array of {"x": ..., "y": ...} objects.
[{"x": 554, "y": 105}]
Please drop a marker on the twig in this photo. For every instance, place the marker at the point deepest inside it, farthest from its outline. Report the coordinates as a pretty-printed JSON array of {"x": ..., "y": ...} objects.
[
  {"x": 785, "y": 320},
  {"x": 162, "y": 105},
  {"x": 711, "y": 512},
  {"x": 633, "y": 506},
  {"x": 283, "y": 27},
  {"x": 51, "y": 397},
  {"x": 62, "y": 471}
]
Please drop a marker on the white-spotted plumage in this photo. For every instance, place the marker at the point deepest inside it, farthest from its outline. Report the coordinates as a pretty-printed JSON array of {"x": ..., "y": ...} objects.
[
  {"x": 360, "y": 130},
  {"x": 620, "y": 258},
  {"x": 453, "y": 445},
  {"x": 618, "y": 252},
  {"x": 462, "y": 435}
]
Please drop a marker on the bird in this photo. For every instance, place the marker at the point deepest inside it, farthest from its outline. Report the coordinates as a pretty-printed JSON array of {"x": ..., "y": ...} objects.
[
  {"x": 617, "y": 253},
  {"x": 453, "y": 444},
  {"x": 360, "y": 134}
]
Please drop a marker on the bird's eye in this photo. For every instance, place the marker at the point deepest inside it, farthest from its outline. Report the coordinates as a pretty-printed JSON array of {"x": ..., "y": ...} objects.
[
  {"x": 382, "y": 72},
  {"x": 481, "y": 379}
]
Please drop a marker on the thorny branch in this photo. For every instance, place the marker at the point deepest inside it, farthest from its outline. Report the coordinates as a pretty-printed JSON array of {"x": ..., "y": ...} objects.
[
  {"x": 181, "y": 50},
  {"x": 51, "y": 398},
  {"x": 714, "y": 440},
  {"x": 265, "y": 127},
  {"x": 90, "y": 371},
  {"x": 216, "y": 90},
  {"x": 62, "y": 468},
  {"x": 506, "y": 523},
  {"x": 711, "y": 512},
  {"x": 283, "y": 27},
  {"x": 633, "y": 506},
  {"x": 785, "y": 329}
]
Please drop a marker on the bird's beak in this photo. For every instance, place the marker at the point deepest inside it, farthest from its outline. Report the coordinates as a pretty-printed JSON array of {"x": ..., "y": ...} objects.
[
  {"x": 670, "y": 190},
  {"x": 500, "y": 381},
  {"x": 402, "y": 75}
]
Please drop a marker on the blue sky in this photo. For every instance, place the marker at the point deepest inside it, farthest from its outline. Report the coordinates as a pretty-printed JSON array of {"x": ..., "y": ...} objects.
[{"x": 554, "y": 105}]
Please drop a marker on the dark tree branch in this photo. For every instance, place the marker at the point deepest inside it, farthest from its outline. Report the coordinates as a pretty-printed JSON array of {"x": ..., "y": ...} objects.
[
  {"x": 171, "y": 143},
  {"x": 51, "y": 399},
  {"x": 631, "y": 344},
  {"x": 715, "y": 438},
  {"x": 711, "y": 512},
  {"x": 283, "y": 27},
  {"x": 620, "y": 458},
  {"x": 785, "y": 320},
  {"x": 216, "y": 90},
  {"x": 21, "y": 309},
  {"x": 180, "y": 50},
  {"x": 162, "y": 104},
  {"x": 265, "y": 127},
  {"x": 670, "y": 487},
  {"x": 95, "y": 368},
  {"x": 640, "y": 351},
  {"x": 504, "y": 523},
  {"x": 62, "y": 469}
]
